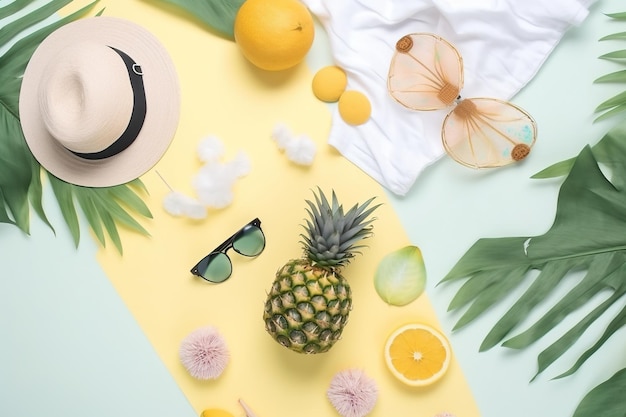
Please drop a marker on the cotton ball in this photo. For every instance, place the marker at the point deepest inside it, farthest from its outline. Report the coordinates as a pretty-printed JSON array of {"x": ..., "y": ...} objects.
[
  {"x": 178, "y": 204},
  {"x": 352, "y": 393},
  {"x": 213, "y": 185},
  {"x": 210, "y": 149},
  {"x": 301, "y": 150},
  {"x": 241, "y": 165},
  {"x": 281, "y": 135},
  {"x": 216, "y": 197},
  {"x": 204, "y": 353},
  {"x": 214, "y": 181}
]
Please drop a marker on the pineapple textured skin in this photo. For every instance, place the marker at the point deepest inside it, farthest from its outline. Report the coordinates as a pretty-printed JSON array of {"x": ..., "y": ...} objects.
[{"x": 307, "y": 307}]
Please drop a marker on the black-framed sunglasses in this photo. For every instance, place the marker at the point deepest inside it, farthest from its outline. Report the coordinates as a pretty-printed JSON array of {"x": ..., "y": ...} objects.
[{"x": 217, "y": 267}]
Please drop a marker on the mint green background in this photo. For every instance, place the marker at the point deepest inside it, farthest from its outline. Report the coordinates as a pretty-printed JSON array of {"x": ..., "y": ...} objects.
[{"x": 70, "y": 347}]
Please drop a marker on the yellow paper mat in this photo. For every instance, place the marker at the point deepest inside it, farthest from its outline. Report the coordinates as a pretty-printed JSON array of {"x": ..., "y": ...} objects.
[{"x": 224, "y": 96}]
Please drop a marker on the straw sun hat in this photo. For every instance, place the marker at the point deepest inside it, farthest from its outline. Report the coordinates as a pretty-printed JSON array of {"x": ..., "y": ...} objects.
[{"x": 100, "y": 102}]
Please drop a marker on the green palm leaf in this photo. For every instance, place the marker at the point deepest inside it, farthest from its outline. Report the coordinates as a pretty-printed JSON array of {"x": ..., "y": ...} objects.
[
  {"x": 616, "y": 104},
  {"x": 218, "y": 15},
  {"x": 613, "y": 36},
  {"x": 21, "y": 185},
  {"x": 601, "y": 400}
]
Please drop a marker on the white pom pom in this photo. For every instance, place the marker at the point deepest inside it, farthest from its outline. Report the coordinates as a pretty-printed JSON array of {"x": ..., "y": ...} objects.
[
  {"x": 213, "y": 185},
  {"x": 178, "y": 204},
  {"x": 216, "y": 197},
  {"x": 301, "y": 150},
  {"x": 241, "y": 165},
  {"x": 210, "y": 149},
  {"x": 298, "y": 149},
  {"x": 282, "y": 135}
]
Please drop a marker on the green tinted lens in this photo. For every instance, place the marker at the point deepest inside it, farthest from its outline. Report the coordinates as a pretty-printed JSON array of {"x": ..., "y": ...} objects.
[
  {"x": 250, "y": 242},
  {"x": 217, "y": 268}
]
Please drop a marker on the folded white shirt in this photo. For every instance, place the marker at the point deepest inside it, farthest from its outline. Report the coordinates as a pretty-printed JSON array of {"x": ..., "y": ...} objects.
[{"x": 503, "y": 44}]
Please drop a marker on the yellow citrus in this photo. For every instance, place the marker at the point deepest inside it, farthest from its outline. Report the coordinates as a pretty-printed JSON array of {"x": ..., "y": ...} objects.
[
  {"x": 417, "y": 354},
  {"x": 215, "y": 412},
  {"x": 274, "y": 34}
]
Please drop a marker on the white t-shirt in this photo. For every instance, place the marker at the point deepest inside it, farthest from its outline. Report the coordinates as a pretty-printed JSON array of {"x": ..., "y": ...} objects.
[{"x": 503, "y": 44}]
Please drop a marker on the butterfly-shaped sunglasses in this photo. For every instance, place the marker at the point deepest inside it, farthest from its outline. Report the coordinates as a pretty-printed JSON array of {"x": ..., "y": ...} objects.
[{"x": 426, "y": 73}]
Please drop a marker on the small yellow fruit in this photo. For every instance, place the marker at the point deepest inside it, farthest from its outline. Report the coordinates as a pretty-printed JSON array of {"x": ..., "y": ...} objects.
[
  {"x": 274, "y": 34},
  {"x": 215, "y": 412},
  {"x": 417, "y": 354},
  {"x": 329, "y": 83},
  {"x": 354, "y": 107}
]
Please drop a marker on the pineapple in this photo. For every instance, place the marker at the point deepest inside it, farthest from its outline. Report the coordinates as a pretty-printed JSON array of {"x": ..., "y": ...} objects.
[{"x": 308, "y": 305}]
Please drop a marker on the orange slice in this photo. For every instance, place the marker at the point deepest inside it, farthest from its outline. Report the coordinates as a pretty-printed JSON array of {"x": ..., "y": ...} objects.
[{"x": 417, "y": 354}]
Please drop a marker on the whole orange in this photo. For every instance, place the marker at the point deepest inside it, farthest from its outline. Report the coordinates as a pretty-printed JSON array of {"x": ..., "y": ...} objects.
[{"x": 274, "y": 34}]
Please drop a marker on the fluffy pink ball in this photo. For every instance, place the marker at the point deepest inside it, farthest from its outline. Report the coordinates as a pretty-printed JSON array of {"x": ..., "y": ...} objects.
[
  {"x": 204, "y": 353},
  {"x": 352, "y": 393}
]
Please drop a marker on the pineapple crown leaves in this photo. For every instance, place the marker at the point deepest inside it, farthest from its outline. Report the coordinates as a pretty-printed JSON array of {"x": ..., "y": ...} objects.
[{"x": 332, "y": 235}]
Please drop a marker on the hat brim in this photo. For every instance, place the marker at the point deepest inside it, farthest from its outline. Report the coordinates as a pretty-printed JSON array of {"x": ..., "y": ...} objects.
[{"x": 162, "y": 101}]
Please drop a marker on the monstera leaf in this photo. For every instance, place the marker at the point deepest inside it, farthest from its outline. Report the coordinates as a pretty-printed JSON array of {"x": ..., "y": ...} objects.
[
  {"x": 589, "y": 234},
  {"x": 20, "y": 175}
]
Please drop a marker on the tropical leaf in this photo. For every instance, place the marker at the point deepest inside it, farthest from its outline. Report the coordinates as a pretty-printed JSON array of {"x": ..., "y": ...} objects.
[
  {"x": 219, "y": 15},
  {"x": 588, "y": 234},
  {"x": 617, "y": 16},
  {"x": 606, "y": 400},
  {"x": 614, "y": 77},
  {"x": 613, "y": 36},
  {"x": 608, "y": 151},
  {"x": 621, "y": 54},
  {"x": 20, "y": 174},
  {"x": 616, "y": 104}
]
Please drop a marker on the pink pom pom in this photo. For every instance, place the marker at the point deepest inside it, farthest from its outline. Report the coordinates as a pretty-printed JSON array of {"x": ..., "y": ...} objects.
[
  {"x": 204, "y": 353},
  {"x": 352, "y": 393}
]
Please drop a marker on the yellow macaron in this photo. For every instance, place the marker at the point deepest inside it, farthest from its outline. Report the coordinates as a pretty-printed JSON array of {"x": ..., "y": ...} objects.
[
  {"x": 329, "y": 83},
  {"x": 354, "y": 107}
]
